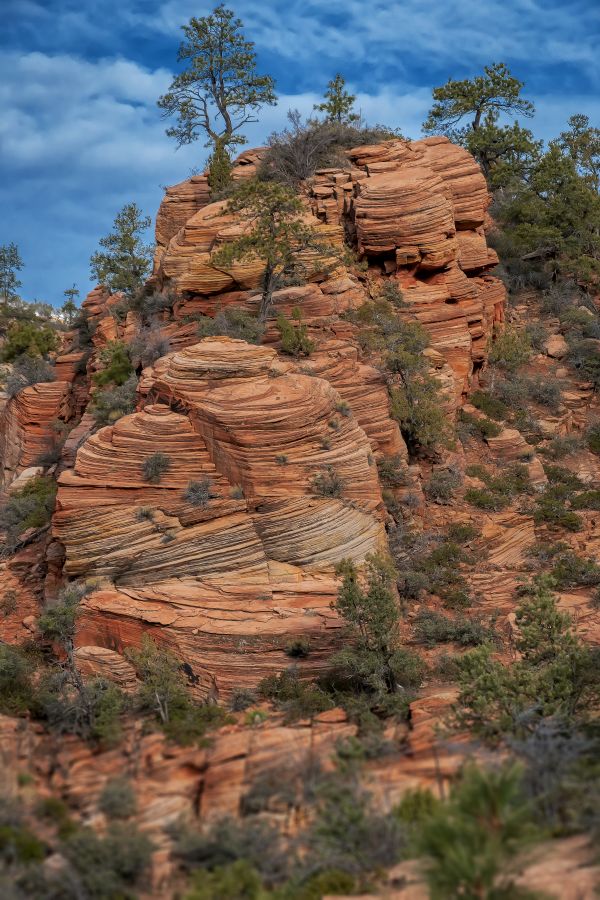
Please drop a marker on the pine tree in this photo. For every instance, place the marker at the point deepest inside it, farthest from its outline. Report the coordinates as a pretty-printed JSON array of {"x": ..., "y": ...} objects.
[
  {"x": 127, "y": 260},
  {"x": 10, "y": 264},
  {"x": 69, "y": 307},
  {"x": 482, "y": 100},
  {"x": 220, "y": 91},
  {"x": 338, "y": 103},
  {"x": 276, "y": 234}
]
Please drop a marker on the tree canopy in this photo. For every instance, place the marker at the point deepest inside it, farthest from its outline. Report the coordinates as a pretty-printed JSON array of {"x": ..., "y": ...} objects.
[
  {"x": 219, "y": 91},
  {"x": 481, "y": 101},
  {"x": 125, "y": 260},
  {"x": 338, "y": 103},
  {"x": 276, "y": 233},
  {"x": 10, "y": 264}
]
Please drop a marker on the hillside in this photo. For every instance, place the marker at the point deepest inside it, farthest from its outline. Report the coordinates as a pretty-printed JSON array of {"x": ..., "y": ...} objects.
[{"x": 211, "y": 497}]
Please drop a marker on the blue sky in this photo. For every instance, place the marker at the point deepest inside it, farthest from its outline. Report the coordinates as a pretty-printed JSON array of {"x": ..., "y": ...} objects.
[{"x": 80, "y": 134}]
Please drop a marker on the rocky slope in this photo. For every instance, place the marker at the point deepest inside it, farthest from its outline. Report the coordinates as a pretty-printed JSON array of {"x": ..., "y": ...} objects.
[{"x": 230, "y": 583}]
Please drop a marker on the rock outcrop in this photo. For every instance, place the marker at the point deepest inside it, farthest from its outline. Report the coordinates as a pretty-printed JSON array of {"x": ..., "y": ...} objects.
[{"x": 293, "y": 487}]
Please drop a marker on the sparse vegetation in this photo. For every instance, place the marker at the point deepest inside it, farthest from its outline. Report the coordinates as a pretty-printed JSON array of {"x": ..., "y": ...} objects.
[
  {"x": 163, "y": 694},
  {"x": 431, "y": 628},
  {"x": 29, "y": 339},
  {"x": 111, "y": 403},
  {"x": 294, "y": 336},
  {"x": 26, "y": 371},
  {"x": 199, "y": 493},
  {"x": 155, "y": 466},
  {"x": 328, "y": 483},
  {"x": 30, "y": 507},
  {"x": 232, "y": 322},
  {"x": 442, "y": 485}
]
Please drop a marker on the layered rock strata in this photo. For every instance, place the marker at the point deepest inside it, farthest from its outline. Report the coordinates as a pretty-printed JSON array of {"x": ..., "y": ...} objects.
[{"x": 229, "y": 582}]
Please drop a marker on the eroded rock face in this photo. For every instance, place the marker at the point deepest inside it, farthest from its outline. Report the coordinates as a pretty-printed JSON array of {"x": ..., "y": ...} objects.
[
  {"x": 26, "y": 421},
  {"x": 418, "y": 210},
  {"x": 226, "y": 584},
  {"x": 183, "y": 200}
]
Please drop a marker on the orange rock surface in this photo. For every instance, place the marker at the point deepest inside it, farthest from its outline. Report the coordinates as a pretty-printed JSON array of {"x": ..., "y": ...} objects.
[{"x": 227, "y": 585}]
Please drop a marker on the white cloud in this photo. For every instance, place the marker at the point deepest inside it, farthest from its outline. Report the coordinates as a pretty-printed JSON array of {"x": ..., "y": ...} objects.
[
  {"x": 390, "y": 32},
  {"x": 80, "y": 138}
]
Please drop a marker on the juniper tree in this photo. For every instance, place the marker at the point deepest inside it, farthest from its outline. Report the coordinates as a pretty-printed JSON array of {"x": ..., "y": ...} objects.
[
  {"x": 481, "y": 101},
  {"x": 338, "y": 103},
  {"x": 271, "y": 215},
  {"x": 125, "y": 260},
  {"x": 219, "y": 91}
]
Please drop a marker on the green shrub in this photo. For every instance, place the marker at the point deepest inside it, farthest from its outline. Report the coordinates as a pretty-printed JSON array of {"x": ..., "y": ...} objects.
[
  {"x": 164, "y": 695},
  {"x": 16, "y": 690},
  {"x": 510, "y": 349},
  {"x": 198, "y": 493},
  {"x": 553, "y": 676},
  {"x": 117, "y": 368},
  {"x": 392, "y": 471},
  {"x": 236, "y": 881},
  {"x": 19, "y": 844},
  {"x": 442, "y": 485},
  {"x": 593, "y": 438},
  {"x": 30, "y": 507},
  {"x": 228, "y": 841},
  {"x": 91, "y": 710},
  {"x": 551, "y": 509},
  {"x": 298, "y": 699},
  {"x": 32, "y": 339},
  {"x": 328, "y": 483},
  {"x": 584, "y": 356},
  {"x": 561, "y": 446},
  {"x": 350, "y": 834},
  {"x": 544, "y": 391},
  {"x": 155, "y": 466},
  {"x": 27, "y": 371},
  {"x": 431, "y": 628},
  {"x": 241, "y": 699},
  {"x": 416, "y": 396},
  {"x": 117, "y": 800},
  {"x": 491, "y": 406},
  {"x": 462, "y": 532},
  {"x": 294, "y": 337},
  {"x": 8, "y": 603},
  {"x": 586, "y": 500},
  {"x": 392, "y": 293},
  {"x": 483, "y": 498},
  {"x": 298, "y": 648},
  {"x": 111, "y": 865},
  {"x": 112, "y": 403},
  {"x": 570, "y": 570},
  {"x": 376, "y": 675},
  {"x": 469, "y": 842},
  {"x": 233, "y": 322},
  {"x": 343, "y": 409},
  {"x": 482, "y": 427},
  {"x": 566, "y": 478},
  {"x": 55, "y": 810}
]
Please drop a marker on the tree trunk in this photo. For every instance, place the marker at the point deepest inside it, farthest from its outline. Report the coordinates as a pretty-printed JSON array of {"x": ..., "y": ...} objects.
[{"x": 267, "y": 292}]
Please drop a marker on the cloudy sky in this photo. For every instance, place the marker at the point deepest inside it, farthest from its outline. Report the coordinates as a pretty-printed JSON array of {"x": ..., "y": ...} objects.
[{"x": 80, "y": 134}]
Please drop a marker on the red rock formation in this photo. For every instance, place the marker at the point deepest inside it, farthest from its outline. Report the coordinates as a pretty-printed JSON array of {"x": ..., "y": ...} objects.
[
  {"x": 234, "y": 580},
  {"x": 26, "y": 425},
  {"x": 418, "y": 208}
]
